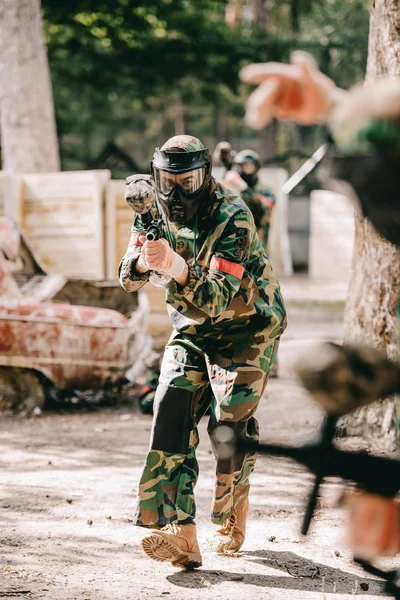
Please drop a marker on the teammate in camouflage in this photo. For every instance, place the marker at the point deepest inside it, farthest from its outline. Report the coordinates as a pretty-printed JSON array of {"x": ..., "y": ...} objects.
[
  {"x": 243, "y": 179},
  {"x": 228, "y": 315}
]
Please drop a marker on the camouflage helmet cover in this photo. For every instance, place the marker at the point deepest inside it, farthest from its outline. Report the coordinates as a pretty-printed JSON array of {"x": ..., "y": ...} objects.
[
  {"x": 181, "y": 154},
  {"x": 247, "y": 156},
  {"x": 184, "y": 143}
]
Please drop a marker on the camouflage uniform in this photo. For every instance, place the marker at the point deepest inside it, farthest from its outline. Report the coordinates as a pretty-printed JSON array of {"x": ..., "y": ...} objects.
[
  {"x": 257, "y": 196},
  {"x": 261, "y": 202},
  {"x": 227, "y": 321}
]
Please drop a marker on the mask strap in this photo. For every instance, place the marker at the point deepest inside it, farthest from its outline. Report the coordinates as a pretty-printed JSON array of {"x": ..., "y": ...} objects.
[{"x": 195, "y": 241}]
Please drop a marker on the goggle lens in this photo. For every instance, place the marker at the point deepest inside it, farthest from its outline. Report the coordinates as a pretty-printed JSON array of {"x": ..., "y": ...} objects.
[{"x": 190, "y": 182}]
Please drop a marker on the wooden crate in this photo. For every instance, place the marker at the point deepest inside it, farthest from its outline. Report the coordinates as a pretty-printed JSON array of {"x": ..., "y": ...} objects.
[
  {"x": 156, "y": 298},
  {"x": 10, "y": 195},
  {"x": 63, "y": 216},
  {"x": 119, "y": 218}
]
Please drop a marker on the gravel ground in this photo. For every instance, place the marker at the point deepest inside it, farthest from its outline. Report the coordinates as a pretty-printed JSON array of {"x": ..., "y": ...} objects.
[{"x": 68, "y": 487}]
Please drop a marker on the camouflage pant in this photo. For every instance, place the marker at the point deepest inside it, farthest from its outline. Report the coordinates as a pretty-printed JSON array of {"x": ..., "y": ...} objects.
[{"x": 231, "y": 381}]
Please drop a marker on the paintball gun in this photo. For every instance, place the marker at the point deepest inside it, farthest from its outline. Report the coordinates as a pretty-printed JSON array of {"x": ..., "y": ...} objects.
[
  {"x": 223, "y": 155},
  {"x": 140, "y": 196},
  {"x": 341, "y": 379}
]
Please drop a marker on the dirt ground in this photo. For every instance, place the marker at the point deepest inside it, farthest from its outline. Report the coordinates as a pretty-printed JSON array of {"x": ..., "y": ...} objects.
[{"x": 67, "y": 497}]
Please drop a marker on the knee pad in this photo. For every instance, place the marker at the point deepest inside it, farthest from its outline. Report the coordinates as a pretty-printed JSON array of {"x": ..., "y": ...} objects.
[
  {"x": 172, "y": 421},
  {"x": 235, "y": 462}
]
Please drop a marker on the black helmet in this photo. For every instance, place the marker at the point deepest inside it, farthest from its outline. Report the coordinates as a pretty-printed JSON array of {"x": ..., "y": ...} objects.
[
  {"x": 181, "y": 170},
  {"x": 247, "y": 163}
]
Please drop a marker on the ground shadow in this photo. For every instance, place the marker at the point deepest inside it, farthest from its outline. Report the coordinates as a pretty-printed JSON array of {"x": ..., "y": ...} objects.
[{"x": 299, "y": 573}]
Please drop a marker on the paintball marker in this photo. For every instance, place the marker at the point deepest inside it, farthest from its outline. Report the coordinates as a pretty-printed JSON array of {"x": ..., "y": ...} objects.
[
  {"x": 140, "y": 196},
  {"x": 341, "y": 379},
  {"x": 223, "y": 155}
]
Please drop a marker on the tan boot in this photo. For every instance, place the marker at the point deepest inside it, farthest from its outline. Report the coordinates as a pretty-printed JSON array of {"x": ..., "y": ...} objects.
[
  {"x": 230, "y": 536},
  {"x": 174, "y": 543}
]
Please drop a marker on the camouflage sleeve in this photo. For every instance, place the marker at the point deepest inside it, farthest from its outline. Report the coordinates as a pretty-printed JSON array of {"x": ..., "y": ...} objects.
[
  {"x": 247, "y": 194},
  {"x": 267, "y": 198},
  {"x": 264, "y": 199},
  {"x": 128, "y": 278},
  {"x": 213, "y": 292}
]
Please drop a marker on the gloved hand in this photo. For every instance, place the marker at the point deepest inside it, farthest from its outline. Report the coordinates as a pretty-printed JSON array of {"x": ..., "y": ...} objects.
[
  {"x": 374, "y": 525},
  {"x": 297, "y": 91},
  {"x": 141, "y": 261},
  {"x": 158, "y": 256}
]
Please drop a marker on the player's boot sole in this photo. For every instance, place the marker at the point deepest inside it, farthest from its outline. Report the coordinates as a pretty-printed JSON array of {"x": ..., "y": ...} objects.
[{"x": 162, "y": 550}]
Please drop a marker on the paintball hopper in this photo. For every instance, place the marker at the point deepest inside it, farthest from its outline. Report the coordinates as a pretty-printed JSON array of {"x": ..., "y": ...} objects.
[
  {"x": 344, "y": 378},
  {"x": 140, "y": 193}
]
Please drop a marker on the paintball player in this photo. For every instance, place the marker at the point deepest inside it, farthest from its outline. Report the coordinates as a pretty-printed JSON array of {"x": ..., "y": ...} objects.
[
  {"x": 228, "y": 315},
  {"x": 243, "y": 178},
  {"x": 365, "y": 160}
]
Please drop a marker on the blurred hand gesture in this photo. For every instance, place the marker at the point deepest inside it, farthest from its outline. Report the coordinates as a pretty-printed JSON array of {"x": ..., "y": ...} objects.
[{"x": 296, "y": 91}]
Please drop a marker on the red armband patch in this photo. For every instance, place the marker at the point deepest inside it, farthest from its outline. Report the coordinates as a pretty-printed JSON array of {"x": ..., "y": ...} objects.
[
  {"x": 226, "y": 266},
  {"x": 268, "y": 201}
]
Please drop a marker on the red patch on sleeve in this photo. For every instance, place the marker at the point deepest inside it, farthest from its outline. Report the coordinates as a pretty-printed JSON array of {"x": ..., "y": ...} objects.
[
  {"x": 270, "y": 203},
  {"x": 226, "y": 266}
]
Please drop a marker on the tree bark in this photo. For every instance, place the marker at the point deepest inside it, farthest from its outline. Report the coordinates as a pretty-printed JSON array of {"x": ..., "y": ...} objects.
[
  {"x": 295, "y": 15},
  {"x": 374, "y": 291},
  {"x": 179, "y": 120},
  {"x": 27, "y": 121},
  {"x": 233, "y": 14},
  {"x": 259, "y": 14}
]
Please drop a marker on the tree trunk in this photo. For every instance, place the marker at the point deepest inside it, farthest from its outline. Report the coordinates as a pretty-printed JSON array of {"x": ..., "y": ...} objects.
[
  {"x": 233, "y": 13},
  {"x": 267, "y": 138},
  {"x": 27, "y": 122},
  {"x": 179, "y": 120},
  {"x": 259, "y": 14},
  {"x": 295, "y": 15},
  {"x": 375, "y": 280}
]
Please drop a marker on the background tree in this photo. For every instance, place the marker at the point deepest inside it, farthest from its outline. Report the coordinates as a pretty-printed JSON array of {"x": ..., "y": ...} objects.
[
  {"x": 27, "y": 123},
  {"x": 374, "y": 292},
  {"x": 135, "y": 73}
]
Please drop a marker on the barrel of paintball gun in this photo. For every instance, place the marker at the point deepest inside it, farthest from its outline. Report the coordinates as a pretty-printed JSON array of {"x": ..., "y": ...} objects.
[
  {"x": 377, "y": 474},
  {"x": 154, "y": 227}
]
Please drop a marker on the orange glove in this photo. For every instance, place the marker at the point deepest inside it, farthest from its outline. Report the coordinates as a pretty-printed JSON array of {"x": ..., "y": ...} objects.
[
  {"x": 158, "y": 256},
  {"x": 374, "y": 525},
  {"x": 297, "y": 91}
]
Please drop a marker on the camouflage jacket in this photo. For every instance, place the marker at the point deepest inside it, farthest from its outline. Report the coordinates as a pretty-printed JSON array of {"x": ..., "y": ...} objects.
[
  {"x": 261, "y": 201},
  {"x": 232, "y": 291}
]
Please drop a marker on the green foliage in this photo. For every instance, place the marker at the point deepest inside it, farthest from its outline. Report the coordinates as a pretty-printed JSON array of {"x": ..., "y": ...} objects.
[{"x": 134, "y": 73}]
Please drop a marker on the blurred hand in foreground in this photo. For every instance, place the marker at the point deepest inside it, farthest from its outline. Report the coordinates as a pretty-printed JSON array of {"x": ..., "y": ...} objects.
[
  {"x": 373, "y": 526},
  {"x": 296, "y": 91}
]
